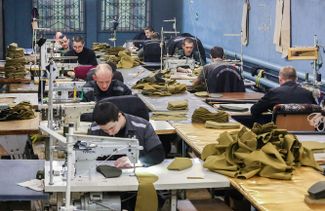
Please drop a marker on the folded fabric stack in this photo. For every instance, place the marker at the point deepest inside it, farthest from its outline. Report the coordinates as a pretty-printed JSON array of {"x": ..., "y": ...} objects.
[
  {"x": 201, "y": 115},
  {"x": 177, "y": 105},
  {"x": 159, "y": 85},
  {"x": 15, "y": 62},
  {"x": 168, "y": 115},
  {"x": 21, "y": 111},
  {"x": 265, "y": 151}
]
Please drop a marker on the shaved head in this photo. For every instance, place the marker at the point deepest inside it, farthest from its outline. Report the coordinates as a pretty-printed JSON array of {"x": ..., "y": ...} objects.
[
  {"x": 103, "y": 76},
  {"x": 287, "y": 73}
]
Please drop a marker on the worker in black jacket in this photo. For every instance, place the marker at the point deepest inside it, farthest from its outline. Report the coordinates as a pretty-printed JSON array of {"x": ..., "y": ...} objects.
[
  {"x": 110, "y": 121},
  {"x": 85, "y": 55},
  {"x": 103, "y": 86},
  {"x": 288, "y": 92}
]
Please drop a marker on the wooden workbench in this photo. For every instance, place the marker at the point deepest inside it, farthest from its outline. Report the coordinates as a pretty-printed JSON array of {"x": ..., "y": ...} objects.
[
  {"x": 16, "y": 127},
  {"x": 263, "y": 193},
  {"x": 197, "y": 136}
]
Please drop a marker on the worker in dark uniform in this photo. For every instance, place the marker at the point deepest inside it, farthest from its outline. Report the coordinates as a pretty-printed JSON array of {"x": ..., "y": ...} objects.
[
  {"x": 217, "y": 55},
  {"x": 188, "y": 51},
  {"x": 103, "y": 86},
  {"x": 85, "y": 55},
  {"x": 288, "y": 92},
  {"x": 110, "y": 121}
]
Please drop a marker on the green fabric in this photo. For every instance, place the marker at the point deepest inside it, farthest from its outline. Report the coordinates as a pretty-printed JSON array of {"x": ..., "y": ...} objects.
[
  {"x": 15, "y": 62},
  {"x": 267, "y": 152},
  {"x": 202, "y": 94},
  {"x": 180, "y": 163},
  {"x": 201, "y": 115},
  {"x": 168, "y": 115},
  {"x": 126, "y": 60},
  {"x": 109, "y": 171},
  {"x": 147, "y": 199},
  {"x": 177, "y": 105},
  {"x": 232, "y": 108},
  {"x": 21, "y": 111},
  {"x": 217, "y": 125},
  {"x": 159, "y": 84},
  {"x": 314, "y": 145}
]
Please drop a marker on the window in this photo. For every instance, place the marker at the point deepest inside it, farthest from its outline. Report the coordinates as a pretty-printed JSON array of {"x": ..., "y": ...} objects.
[
  {"x": 61, "y": 15},
  {"x": 132, "y": 15}
]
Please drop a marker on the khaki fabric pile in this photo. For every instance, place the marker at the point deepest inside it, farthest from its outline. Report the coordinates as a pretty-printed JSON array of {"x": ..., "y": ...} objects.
[
  {"x": 117, "y": 55},
  {"x": 177, "y": 105},
  {"x": 159, "y": 85},
  {"x": 126, "y": 60},
  {"x": 201, "y": 115},
  {"x": 21, "y": 111},
  {"x": 265, "y": 151},
  {"x": 15, "y": 62}
]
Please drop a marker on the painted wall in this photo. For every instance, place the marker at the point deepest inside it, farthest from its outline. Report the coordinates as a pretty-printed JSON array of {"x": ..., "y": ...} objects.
[
  {"x": 17, "y": 17},
  {"x": 210, "y": 20}
]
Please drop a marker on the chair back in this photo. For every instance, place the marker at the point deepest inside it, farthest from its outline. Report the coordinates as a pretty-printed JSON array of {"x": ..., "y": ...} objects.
[
  {"x": 225, "y": 78},
  {"x": 151, "y": 51},
  {"x": 293, "y": 117}
]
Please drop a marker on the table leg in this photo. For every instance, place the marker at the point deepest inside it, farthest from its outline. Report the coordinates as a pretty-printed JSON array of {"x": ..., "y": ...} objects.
[{"x": 173, "y": 202}]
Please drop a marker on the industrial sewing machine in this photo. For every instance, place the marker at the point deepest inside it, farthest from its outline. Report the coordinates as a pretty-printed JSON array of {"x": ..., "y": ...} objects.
[
  {"x": 79, "y": 169},
  {"x": 66, "y": 113},
  {"x": 65, "y": 92},
  {"x": 171, "y": 63}
]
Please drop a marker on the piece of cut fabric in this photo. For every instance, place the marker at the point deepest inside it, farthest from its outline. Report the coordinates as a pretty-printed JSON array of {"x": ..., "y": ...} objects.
[
  {"x": 177, "y": 105},
  {"x": 168, "y": 115},
  {"x": 201, "y": 115},
  {"x": 245, "y": 23},
  {"x": 282, "y": 30},
  {"x": 314, "y": 145},
  {"x": 265, "y": 151},
  {"x": 202, "y": 94},
  {"x": 232, "y": 108},
  {"x": 147, "y": 199},
  {"x": 218, "y": 125},
  {"x": 180, "y": 163},
  {"x": 109, "y": 171}
]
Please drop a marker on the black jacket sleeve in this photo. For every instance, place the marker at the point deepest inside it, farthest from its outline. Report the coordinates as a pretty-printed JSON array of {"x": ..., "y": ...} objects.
[
  {"x": 263, "y": 104},
  {"x": 92, "y": 58},
  {"x": 154, "y": 156}
]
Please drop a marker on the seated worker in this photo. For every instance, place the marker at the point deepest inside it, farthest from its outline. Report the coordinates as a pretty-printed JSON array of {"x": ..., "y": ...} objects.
[
  {"x": 288, "y": 92},
  {"x": 85, "y": 55},
  {"x": 117, "y": 75},
  {"x": 188, "y": 51},
  {"x": 152, "y": 36},
  {"x": 103, "y": 86},
  {"x": 64, "y": 42},
  {"x": 217, "y": 55},
  {"x": 141, "y": 37},
  {"x": 58, "y": 37},
  {"x": 110, "y": 121}
]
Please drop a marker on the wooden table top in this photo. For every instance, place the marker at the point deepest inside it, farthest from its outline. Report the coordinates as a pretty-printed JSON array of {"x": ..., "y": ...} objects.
[{"x": 15, "y": 127}]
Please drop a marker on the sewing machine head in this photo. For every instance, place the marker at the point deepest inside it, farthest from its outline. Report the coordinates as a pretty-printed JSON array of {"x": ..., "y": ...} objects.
[
  {"x": 67, "y": 91},
  {"x": 88, "y": 148},
  {"x": 171, "y": 63},
  {"x": 64, "y": 114},
  {"x": 72, "y": 112}
]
